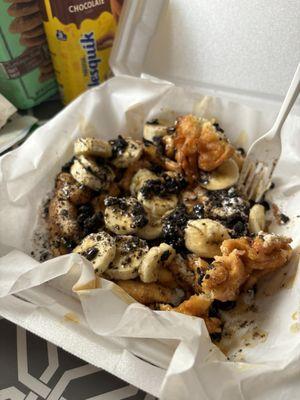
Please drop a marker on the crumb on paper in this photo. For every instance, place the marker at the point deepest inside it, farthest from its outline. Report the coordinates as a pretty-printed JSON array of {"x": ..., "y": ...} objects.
[
  {"x": 71, "y": 317},
  {"x": 241, "y": 330},
  {"x": 280, "y": 218}
]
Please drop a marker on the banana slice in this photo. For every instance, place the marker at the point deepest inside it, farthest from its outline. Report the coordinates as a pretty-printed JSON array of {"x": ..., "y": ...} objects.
[
  {"x": 156, "y": 258},
  {"x": 157, "y": 206},
  {"x": 88, "y": 173},
  {"x": 92, "y": 147},
  {"x": 223, "y": 177},
  {"x": 101, "y": 171},
  {"x": 152, "y": 230},
  {"x": 82, "y": 176},
  {"x": 130, "y": 252},
  {"x": 126, "y": 156},
  {"x": 257, "y": 218},
  {"x": 154, "y": 130},
  {"x": 124, "y": 215},
  {"x": 140, "y": 178},
  {"x": 204, "y": 237},
  {"x": 99, "y": 248}
]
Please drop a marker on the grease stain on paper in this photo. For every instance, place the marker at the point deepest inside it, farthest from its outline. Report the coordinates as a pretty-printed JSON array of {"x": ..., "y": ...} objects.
[
  {"x": 71, "y": 317},
  {"x": 296, "y": 315},
  {"x": 295, "y": 328}
]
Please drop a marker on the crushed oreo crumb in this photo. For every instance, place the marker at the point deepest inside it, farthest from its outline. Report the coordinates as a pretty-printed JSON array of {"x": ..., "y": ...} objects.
[
  {"x": 93, "y": 224},
  {"x": 218, "y": 128},
  {"x": 241, "y": 151},
  {"x": 213, "y": 311},
  {"x": 265, "y": 204},
  {"x": 173, "y": 227},
  {"x": 90, "y": 253},
  {"x": 225, "y": 305},
  {"x": 147, "y": 143},
  {"x": 203, "y": 177},
  {"x": 66, "y": 167},
  {"x": 153, "y": 121},
  {"x": 157, "y": 140},
  {"x": 284, "y": 218},
  {"x": 198, "y": 211},
  {"x": 163, "y": 186},
  {"x": 216, "y": 336},
  {"x": 165, "y": 255},
  {"x": 119, "y": 145},
  {"x": 171, "y": 130},
  {"x": 239, "y": 229}
]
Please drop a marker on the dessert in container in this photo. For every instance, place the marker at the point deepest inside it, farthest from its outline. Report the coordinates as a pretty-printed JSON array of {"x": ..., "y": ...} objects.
[{"x": 165, "y": 354}]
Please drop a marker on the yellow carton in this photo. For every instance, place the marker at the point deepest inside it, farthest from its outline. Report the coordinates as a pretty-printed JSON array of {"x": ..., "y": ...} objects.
[{"x": 80, "y": 36}]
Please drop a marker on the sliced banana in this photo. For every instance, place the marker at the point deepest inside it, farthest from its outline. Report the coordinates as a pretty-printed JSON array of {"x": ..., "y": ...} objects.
[
  {"x": 204, "y": 237},
  {"x": 101, "y": 171},
  {"x": 92, "y": 147},
  {"x": 99, "y": 248},
  {"x": 130, "y": 252},
  {"x": 157, "y": 206},
  {"x": 152, "y": 230},
  {"x": 124, "y": 215},
  {"x": 82, "y": 176},
  {"x": 223, "y": 177},
  {"x": 156, "y": 258},
  {"x": 154, "y": 130},
  {"x": 130, "y": 154},
  {"x": 257, "y": 218},
  {"x": 88, "y": 173},
  {"x": 143, "y": 175}
]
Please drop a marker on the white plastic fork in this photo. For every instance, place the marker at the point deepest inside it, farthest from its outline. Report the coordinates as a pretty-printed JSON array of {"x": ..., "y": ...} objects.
[{"x": 262, "y": 157}]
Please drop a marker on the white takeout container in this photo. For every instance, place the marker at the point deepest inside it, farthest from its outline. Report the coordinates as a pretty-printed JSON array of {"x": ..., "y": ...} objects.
[{"x": 179, "y": 42}]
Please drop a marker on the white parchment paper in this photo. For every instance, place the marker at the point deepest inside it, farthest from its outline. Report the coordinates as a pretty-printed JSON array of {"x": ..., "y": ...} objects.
[{"x": 268, "y": 369}]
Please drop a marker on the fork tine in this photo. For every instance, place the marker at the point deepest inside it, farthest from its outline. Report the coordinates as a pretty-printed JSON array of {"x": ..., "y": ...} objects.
[
  {"x": 244, "y": 174},
  {"x": 249, "y": 178},
  {"x": 258, "y": 177},
  {"x": 265, "y": 182}
]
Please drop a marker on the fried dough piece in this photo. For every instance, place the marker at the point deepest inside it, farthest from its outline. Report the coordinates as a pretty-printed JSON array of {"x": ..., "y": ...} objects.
[
  {"x": 213, "y": 325},
  {"x": 62, "y": 217},
  {"x": 57, "y": 244},
  {"x": 197, "y": 305},
  {"x": 98, "y": 201},
  {"x": 184, "y": 276},
  {"x": 199, "y": 268},
  {"x": 224, "y": 278},
  {"x": 166, "y": 278},
  {"x": 265, "y": 251},
  {"x": 255, "y": 277},
  {"x": 169, "y": 143},
  {"x": 148, "y": 293},
  {"x": 199, "y": 145},
  {"x": 153, "y": 155},
  {"x": 72, "y": 190}
]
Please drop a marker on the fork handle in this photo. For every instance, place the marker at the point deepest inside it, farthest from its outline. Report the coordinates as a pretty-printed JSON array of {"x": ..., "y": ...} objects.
[{"x": 288, "y": 102}]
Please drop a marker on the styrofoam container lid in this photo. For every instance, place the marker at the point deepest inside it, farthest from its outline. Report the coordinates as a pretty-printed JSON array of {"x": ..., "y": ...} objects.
[{"x": 240, "y": 48}]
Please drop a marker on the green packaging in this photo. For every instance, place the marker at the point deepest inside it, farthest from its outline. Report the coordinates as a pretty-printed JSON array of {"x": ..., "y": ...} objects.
[{"x": 26, "y": 73}]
